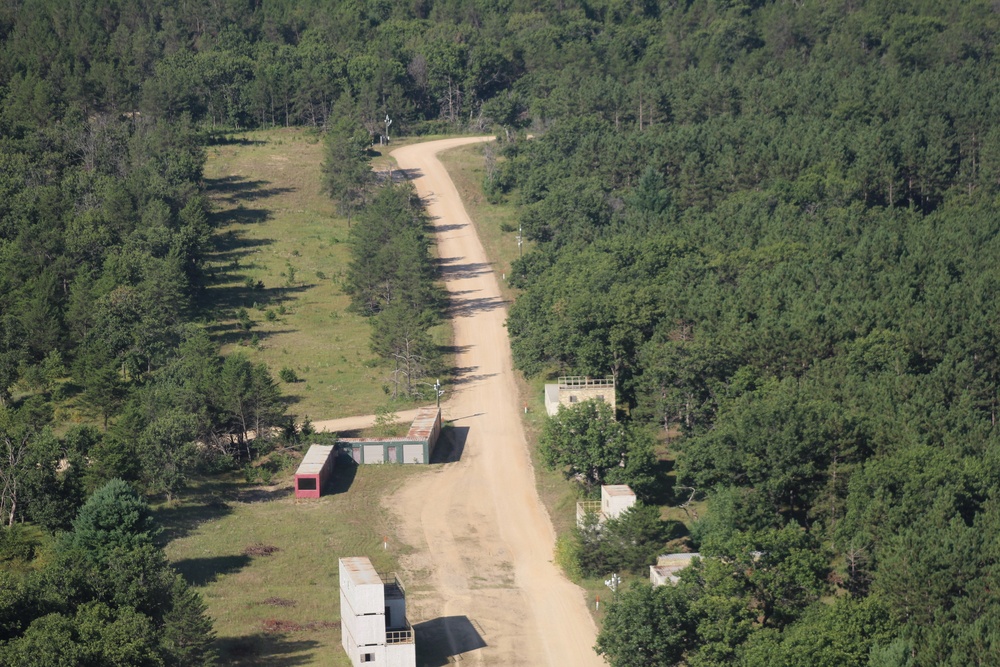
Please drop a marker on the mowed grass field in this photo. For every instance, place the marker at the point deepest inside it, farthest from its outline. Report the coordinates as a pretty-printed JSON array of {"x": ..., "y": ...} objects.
[
  {"x": 281, "y": 253},
  {"x": 266, "y": 564}
]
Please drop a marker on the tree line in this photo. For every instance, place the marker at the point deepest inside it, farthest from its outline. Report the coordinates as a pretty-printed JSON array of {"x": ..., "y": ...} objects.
[
  {"x": 789, "y": 260},
  {"x": 772, "y": 221},
  {"x": 392, "y": 279},
  {"x": 104, "y": 594}
]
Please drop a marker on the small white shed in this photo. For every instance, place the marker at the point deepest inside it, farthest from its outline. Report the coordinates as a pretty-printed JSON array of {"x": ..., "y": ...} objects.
[
  {"x": 615, "y": 499},
  {"x": 667, "y": 566}
]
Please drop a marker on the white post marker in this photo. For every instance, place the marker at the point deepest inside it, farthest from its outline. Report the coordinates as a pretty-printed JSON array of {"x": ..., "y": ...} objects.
[
  {"x": 385, "y": 543},
  {"x": 612, "y": 583}
]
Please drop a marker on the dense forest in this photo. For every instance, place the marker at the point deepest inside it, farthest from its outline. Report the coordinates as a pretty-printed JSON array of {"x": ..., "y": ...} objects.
[{"x": 773, "y": 222}]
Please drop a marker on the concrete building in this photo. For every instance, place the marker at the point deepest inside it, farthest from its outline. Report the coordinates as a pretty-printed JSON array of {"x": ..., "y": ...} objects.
[
  {"x": 314, "y": 471},
  {"x": 615, "y": 499},
  {"x": 373, "y": 625},
  {"x": 666, "y": 568},
  {"x": 415, "y": 447},
  {"x": 573, "y": 389}
]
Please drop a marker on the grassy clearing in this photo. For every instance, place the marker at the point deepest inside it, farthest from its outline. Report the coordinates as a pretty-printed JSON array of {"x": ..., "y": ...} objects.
[
  {"x": 282, "y": 607},
  {"x": 281, "y": 254},
  {"x": 467, "y": 169}
]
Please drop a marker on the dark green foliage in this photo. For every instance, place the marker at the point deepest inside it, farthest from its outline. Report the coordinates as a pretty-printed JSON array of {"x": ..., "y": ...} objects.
[
  {"x": 774, "y": 223},
  {"x": 647, "y": 627},
  {"x": 347, "y": 173},
  {"x": 392, "y": 278},
  {"x": 630, "y": 541},
  {"x": 104, "y": 596},
  {"x": 113, "y": 517},
  {"x": 187, "y": 628},
  {"x": 588, "y": 444}
]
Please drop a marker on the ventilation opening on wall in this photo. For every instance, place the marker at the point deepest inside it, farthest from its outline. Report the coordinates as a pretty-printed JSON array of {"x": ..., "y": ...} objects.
[{"x": 307, "y": 484}]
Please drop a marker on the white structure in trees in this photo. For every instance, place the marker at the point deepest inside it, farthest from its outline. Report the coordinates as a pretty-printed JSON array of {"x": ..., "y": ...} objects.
[
  {"x": 373, "y": 621},
  {"x": 666, "y": 568},
  {"x": 572, "y": 389},
  {"x": 615, "y": 499}
]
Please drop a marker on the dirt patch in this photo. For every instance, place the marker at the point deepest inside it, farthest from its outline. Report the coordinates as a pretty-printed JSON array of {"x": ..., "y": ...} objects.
[
  {"x": 274, "y": 626},
  {"x": 261, "y": 550},
  {"x": 279, "y": 602}
]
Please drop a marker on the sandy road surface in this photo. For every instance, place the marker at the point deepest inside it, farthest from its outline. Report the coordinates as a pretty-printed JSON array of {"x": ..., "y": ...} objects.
[{"x": 481, "y": 572}]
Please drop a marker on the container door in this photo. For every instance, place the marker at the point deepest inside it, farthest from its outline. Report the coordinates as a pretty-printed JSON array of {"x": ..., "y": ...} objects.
[{"x": 391, "y": 455}]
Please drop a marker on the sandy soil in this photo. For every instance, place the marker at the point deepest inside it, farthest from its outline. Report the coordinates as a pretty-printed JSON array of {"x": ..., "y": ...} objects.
[
  {"x": 481, "y": 576},
  {"x": 360, "y": 422}
]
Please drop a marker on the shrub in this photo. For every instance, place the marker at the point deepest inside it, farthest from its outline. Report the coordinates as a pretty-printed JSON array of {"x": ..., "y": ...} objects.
[{"x": 288, "y": 375}]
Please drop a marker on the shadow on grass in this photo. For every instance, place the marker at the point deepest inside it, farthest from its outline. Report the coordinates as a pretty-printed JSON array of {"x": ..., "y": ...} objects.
[
  {"x": 180, "y": 520},
  {"x": 238, "y": 188},
  {"x": 343, "y": 476},
  {"x": 441, "y": 639},
  {"x": 221, "y": 139},
  {"x": 663, "y": 492},
  {"x": 203, "y": 571},
  {"x": 265, "y": 650},
  {"x": 239, "y": 215},
  {"x": 399, "y": 175},
  {"x": 450, "y": 445},
  {"x": 234, "y": 334},
  {"x": 263, "y": 494},
  {"x": 232, "y": 245},
  {"x": 232, "y": 297}
]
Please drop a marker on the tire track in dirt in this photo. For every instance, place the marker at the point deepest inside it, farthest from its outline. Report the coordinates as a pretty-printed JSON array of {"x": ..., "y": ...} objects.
[{"x": 483, "y": 542}]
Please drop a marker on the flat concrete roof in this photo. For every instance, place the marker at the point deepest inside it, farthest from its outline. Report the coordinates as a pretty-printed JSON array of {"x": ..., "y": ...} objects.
[
  {"x": 675, "y": 561},
  {"x": 360, "y": 570},
  {"x": 314, "y": 460},
  {"x": 618, "y": 490}
]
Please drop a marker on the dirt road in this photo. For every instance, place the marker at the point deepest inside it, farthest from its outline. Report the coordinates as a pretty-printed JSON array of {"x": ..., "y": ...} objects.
[{"x": 481, "y": 576}]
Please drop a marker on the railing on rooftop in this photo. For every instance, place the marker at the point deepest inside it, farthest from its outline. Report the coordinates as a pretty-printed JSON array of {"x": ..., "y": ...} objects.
[
  {"x": 568, "y": 381},
  {"x": 403, "y": 636},
  {"x": 584, "y": 507},
  {"x": 392, "y": 580}
]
